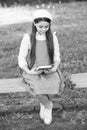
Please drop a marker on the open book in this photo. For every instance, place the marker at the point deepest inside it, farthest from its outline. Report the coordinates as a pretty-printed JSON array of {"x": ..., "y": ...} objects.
[{"x": 47, "y": 67}]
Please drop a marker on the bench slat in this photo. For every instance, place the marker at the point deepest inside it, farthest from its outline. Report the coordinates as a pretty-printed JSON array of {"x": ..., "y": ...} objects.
[{"x": 17, "y": 85}]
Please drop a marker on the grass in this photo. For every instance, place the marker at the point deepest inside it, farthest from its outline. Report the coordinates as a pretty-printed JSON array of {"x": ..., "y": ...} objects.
[
  {"x": 31, "y": 122},
  {"x": 23, "y": 119}
]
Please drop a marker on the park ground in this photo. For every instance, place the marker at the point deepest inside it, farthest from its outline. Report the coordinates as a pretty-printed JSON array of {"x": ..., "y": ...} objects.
[{"x": 70, "y": 23}]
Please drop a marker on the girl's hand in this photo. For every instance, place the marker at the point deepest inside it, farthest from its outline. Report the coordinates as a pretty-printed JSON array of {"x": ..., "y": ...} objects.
[
  {"x": 54, "y": 68},
  {"x": 50, "y": 71},
  {"x": 34, "y": 71}
]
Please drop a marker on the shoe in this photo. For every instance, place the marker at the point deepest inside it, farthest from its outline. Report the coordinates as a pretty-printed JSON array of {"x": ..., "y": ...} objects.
[
  {"x": 42, "y": 109},
  {"x": 48, "y": 115}
]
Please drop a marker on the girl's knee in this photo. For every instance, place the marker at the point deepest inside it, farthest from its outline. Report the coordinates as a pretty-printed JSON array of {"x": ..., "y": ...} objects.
[
  {"x": 51, "y": 96},
  {"x": 44, "y": 100}
]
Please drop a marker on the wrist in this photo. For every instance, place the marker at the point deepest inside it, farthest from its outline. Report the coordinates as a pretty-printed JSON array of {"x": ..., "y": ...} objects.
[
  {"x": 56, "y": 64},
  {"x": 26, "y": 69},
  {"x": 54, "y": 68},
  {"x": 28, "y": 72}
]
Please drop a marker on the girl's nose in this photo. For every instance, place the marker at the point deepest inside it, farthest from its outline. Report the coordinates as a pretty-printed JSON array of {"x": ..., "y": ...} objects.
[{"x": 43, "y": 29}]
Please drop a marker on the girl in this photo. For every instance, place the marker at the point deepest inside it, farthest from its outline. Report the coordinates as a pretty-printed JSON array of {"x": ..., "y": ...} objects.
[{"x": 41, "y": 48}]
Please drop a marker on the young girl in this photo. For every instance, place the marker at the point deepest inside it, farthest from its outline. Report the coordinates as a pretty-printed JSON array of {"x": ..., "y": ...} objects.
[{"x": 41, "y": 49}]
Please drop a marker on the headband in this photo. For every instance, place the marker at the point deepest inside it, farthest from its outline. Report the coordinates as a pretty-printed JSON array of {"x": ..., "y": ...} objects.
[{"x": 42, "y": 13}]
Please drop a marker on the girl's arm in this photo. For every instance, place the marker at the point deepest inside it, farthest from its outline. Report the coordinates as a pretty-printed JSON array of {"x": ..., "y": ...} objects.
[
  {"x": 25, "y": 46},
  {"x": 23, "y": 52}
]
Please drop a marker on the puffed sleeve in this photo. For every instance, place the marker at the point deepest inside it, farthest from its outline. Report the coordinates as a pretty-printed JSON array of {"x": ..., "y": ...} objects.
[
  {"x": 56, "y": 48},
  {"x": 23, "y": 51}
]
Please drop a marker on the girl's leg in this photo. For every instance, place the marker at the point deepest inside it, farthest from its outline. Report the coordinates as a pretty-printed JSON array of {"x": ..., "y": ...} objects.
[
  {"x": 44, "y": 103},
  {"x": 43, "y": 99},
  {"x": 45, "y": 109},
  {"x": 48, "y": 112},
  {"x": 51, "y": 96}
]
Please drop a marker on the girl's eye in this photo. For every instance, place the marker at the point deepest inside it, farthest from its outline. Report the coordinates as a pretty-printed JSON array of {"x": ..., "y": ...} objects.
[
  {"x": 40, "y": 26},
  {"x": 44, "y": 27}
]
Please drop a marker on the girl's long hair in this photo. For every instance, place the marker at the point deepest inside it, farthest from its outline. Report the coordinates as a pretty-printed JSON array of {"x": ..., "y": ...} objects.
[{"x": 49, "y": 40}]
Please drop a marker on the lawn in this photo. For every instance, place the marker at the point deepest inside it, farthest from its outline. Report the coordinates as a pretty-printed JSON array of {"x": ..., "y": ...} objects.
[{"x": 70, "y": 23}]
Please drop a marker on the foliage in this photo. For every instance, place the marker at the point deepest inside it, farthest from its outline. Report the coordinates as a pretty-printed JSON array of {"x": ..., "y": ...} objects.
[{"x": 34, "y": 2}]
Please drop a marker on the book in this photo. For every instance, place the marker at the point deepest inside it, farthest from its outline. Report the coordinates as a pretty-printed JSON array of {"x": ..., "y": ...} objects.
[{"x": 47, "y": 67}]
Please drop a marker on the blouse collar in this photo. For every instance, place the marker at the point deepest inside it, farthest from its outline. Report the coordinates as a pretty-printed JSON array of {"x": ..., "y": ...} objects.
[{"x": 40, "y": 37}]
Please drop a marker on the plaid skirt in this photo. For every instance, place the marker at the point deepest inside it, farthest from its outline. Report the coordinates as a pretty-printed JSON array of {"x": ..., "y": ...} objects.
[{"x": 42, "y": 83}]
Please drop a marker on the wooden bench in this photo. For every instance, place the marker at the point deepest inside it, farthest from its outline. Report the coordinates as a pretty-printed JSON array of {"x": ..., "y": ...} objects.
[{"x": 17, "y": 85}]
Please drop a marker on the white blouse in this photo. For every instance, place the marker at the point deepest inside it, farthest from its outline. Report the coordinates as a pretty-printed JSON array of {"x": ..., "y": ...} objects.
[{"x": 26, "y": 45}]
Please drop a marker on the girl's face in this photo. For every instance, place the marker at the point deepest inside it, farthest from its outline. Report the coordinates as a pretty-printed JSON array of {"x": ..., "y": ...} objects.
[{"x": 42, "y": 27}]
